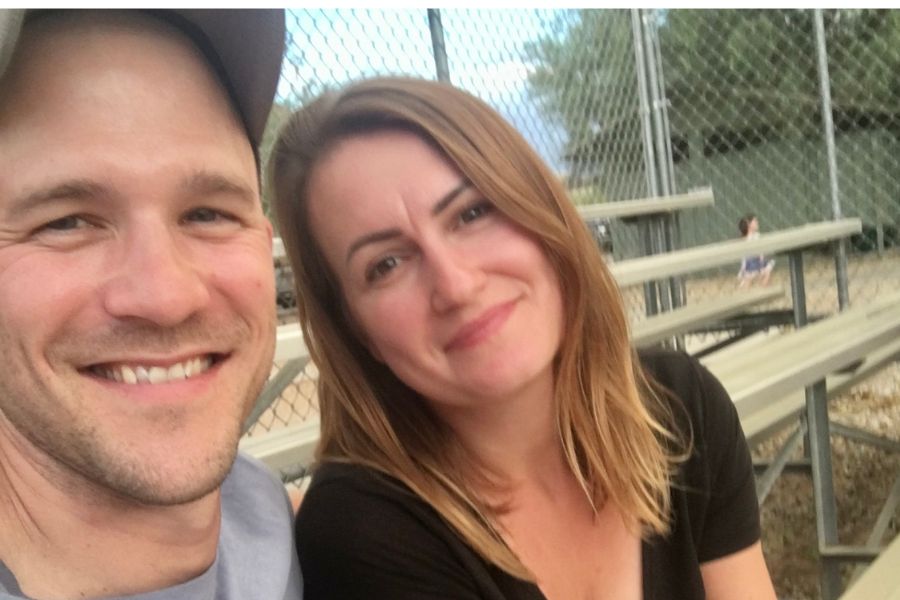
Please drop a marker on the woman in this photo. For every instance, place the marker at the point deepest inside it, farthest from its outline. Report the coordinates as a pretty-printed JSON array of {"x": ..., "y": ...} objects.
[{"x": 487, "y": 430}]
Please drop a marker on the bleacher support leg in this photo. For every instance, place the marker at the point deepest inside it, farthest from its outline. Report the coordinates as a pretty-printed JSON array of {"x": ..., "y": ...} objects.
[
  {"x": 798, "y": 288},
  {"x": 823, "y": 488},
  {"x": 651, "y": 293},
  {"x": 765, "y": 481}
]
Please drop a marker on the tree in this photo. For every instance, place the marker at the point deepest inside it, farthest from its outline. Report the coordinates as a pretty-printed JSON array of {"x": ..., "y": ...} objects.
[
  {"x": 281, "y": 111},
  {"x": 733, "y": 77},
  {"x": 583, "y": 79}
]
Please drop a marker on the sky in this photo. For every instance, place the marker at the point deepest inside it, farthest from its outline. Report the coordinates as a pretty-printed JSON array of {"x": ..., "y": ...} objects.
[{"x": 484, "y": 52}]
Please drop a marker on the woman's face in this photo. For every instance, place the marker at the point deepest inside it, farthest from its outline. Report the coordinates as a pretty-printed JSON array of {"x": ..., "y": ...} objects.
[{"x": 456, "y": 299}]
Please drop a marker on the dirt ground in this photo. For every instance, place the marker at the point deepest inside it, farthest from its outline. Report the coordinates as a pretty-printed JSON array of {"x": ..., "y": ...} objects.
[{"x": 863, "y": 476}]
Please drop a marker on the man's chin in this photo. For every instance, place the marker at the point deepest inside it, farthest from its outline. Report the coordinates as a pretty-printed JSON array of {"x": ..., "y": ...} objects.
[{"x": 168, "y": 486}]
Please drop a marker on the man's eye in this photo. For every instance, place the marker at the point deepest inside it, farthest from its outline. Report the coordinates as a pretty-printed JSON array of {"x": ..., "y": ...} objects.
[
  {"x": 476, "y": 211},
  {"x": 204, "y": 215},
  {"x": 381, "y": 268},
  {"x": 67, "y": 223}
]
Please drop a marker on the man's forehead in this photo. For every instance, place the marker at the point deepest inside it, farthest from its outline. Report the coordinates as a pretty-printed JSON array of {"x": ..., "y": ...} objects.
[
  {"x": 242, "y": 48},
  {"x": 115, "y": 101},
  {"x": 70, "y": 54},
  {"x": 76, "y": 30}
]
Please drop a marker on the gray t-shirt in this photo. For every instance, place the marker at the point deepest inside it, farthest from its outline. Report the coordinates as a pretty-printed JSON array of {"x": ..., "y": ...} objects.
[{"x": 256, "y": 558}]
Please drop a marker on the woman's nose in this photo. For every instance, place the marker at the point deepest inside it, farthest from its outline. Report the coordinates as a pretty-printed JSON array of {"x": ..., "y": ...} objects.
[{"x": 456, "y": 279}]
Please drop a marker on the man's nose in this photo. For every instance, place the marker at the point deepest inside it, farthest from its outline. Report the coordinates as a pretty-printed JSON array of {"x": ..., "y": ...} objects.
[
  {"x": 157, "y": 279},
  {"x": 457, "y": 277}
]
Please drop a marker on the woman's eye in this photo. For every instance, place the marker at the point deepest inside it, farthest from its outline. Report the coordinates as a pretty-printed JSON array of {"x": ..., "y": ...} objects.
[
  {"x": 381, "y": 268},
  {"x": 475, "y": 211}
]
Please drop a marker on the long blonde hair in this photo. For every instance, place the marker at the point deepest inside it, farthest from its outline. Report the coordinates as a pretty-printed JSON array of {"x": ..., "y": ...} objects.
[{"x": 615, "y": 430}]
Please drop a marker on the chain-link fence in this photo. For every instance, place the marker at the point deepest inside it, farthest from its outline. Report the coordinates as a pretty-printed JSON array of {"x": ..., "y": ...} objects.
[{"x": 634, "y": 103}]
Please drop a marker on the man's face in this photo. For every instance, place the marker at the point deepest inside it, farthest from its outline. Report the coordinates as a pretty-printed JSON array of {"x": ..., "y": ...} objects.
[{"x": 136, "y": 286}]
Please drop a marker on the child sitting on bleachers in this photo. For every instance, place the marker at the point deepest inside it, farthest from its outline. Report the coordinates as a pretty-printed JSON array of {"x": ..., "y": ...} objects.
[{"x": 756, "y": 266}]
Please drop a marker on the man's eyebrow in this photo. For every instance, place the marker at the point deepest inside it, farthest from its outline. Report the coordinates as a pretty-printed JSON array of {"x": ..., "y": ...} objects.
[
  {"x": 72, "y": 189},
  {"x": 208, "y": 182},
  {"x": 386, "y": 234}
]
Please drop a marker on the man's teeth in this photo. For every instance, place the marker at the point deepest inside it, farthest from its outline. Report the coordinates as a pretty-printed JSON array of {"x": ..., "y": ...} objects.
[{"x": 141, "y": 374}]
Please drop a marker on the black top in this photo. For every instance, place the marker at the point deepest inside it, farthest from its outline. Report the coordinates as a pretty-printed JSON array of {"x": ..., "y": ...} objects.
[{"x": 361, "y": 534}]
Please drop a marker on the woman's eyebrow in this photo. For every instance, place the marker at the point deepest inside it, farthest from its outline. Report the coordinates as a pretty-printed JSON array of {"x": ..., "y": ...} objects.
[
  {"x": 450, "y": 197},
  {"x": 371, "y": 238},
  {"x": 379, "y": 236}
]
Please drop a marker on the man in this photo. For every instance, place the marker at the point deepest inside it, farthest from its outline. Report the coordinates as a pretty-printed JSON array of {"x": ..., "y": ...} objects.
[{"x": 137, "y": 307}]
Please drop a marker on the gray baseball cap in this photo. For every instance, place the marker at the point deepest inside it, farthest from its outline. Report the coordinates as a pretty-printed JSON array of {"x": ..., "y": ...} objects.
[{"x": 244, "y": 47}]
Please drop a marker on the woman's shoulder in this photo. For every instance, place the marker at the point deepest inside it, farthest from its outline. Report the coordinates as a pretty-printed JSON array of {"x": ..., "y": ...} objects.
[
  {"x": 692, "y": 390},
  {"x": 677, "y": 371},
  {"x": 363, "y": 534},
  {"x": 714, "y": 495},
  {"x": 666, "y": 364},
  {"x": 351, "y": 488},
  {"x": 354, "y": 511}
]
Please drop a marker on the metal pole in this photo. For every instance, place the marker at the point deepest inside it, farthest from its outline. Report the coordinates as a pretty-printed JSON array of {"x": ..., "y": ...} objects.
[
  {"x": 657, "y": 109},
  {"x": 819, "y": 449},
  {"x": 823, "y": 488},
  {"x": 437, "y": 43},
  {"x": 664, "y": 109},
  {"x": 667, "y": 162},
  {"x": 798, "y": 288},
  {"x": 798, "y": 302},
  {"x": 651, "y": 290},
  {"x": 643, "y": 96},
  {"x": 840, "y": 255},
  {"x": 658, "y": 226},
  {"x": 651, "y": 302}
]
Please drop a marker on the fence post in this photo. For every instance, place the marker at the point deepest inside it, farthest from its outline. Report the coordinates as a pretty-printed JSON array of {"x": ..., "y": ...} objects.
[
  {"x": 840, "y": 255},
  {"x": 643, "y": 95},
  {"x": 651, "y": 304},
  {"x": 437, "y": 44},
  {"x": 657, "y": 104}
]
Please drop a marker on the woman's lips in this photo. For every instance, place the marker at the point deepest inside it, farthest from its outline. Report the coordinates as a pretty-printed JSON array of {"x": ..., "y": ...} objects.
[{"x": 478, "y": 330}]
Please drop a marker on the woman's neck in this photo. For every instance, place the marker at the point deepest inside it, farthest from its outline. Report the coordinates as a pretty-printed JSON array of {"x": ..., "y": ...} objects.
[{"x": 516, "y": 438}]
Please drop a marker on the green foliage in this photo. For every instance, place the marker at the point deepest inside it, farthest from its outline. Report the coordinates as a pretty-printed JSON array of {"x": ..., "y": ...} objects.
[
  {"x": 278, "y": 116},
  {"x": 748, "y": 74},
  {"x": 586, "y": 195},
  {"x": 580, "y": 74}
]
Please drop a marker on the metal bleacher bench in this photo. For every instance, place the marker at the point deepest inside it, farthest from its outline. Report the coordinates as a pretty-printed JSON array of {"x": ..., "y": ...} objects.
[
  {"x": 776, "y": 379},
  {"x": 683, "y": 319},
  {"x": 881, "y": 581},
  {"x": 662, "y": 326},
  {"x": 766, "y": 375},
  {"x": 647, "y": 206},
  {"x": 657, "y": 221}
]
